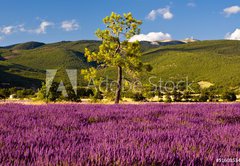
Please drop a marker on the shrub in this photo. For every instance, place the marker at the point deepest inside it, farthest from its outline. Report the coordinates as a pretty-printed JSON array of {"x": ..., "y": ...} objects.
[
  {"x": 177, "y": 96},
  {"x": 229, "y": 96},
  {"x": 85, "y": 92},
  {"x": 24, "y": 93},
  {"x": 71, "y": 96},
  {"x": 97, "y": 96},
  {"x": 4, "y": 93},
  {"x": 168, "y": 98},
  {"x": 138, "y": 97},
  {"x": 204, "y": 96},
  {"x": 52, "y": 95},
  {"x": 186, "y": 96}
]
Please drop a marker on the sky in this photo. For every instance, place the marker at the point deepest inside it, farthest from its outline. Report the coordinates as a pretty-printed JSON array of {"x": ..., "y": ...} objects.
[{"x": 69, "y": 20}]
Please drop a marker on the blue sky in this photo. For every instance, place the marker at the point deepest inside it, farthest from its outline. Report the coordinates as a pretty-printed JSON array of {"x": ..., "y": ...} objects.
[{"x": 57, "y": 20}]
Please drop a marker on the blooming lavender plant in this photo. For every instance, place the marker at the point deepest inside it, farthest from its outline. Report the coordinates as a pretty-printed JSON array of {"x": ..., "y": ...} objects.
[{"x": 149, "y": 134}]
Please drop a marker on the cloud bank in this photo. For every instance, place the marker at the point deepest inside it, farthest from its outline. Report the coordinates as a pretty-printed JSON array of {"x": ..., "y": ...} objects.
[
  {"x": 151, "y": 37},
  {"x": 234, "y": 35}
]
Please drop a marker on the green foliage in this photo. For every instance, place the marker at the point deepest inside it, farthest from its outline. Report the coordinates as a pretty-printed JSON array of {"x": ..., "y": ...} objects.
[
  {"x": 51, "y": 95},
  {"x": 204, "y": 96},
  {"x": 138, "y": 97},
  {"x": 149, "y": 91},
  {"x": 4, "y": 93},
  {"x": 97, "y": 96},
  {"x": 21, "y": 93},
  {"x": 116, "y": 50},
  {"x": 24, "y": 93},
  {"x": 12, "y": 90},
  {"x": 177, "y": 95},
  {"x": 84, "y": 92},
  {"x": 54, "y": 95},
  {"x": 229, "y": 96},
  {"x": 210, "y": 94},
  {"x": 71, "y": 95},
  {"x": 168, "y": 98},
  {"x": 186, "y": 96},
  {"x": 109, "y": 94}
]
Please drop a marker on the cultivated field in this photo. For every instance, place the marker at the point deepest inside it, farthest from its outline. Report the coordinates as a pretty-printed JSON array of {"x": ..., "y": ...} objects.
[{"x": 148, "y": 134}]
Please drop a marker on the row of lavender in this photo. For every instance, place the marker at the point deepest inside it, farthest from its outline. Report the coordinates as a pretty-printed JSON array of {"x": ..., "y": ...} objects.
[{"x": 157, "y": 134}]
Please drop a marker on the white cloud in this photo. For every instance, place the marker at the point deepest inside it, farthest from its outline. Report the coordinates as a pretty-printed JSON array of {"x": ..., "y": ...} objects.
[
  {"x": 151, "y": 37},
  {"x": 7, "y": 30},
  {"x": 71, "y": 25},
  {"x": 164, "y": 12},
  {"x": 42, "y": 29},
  {"x": 231, "y": 10},
  {"x": 234, "y": 35},
  {"x": 152, "y": 15}
]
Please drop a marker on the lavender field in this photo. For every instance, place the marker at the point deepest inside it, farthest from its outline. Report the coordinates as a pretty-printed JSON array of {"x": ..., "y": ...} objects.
[{"x": 150, "y": 134}]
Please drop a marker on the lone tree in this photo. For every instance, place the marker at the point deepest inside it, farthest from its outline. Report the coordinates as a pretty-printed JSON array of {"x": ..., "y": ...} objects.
[{"x": 116, "y": 50}]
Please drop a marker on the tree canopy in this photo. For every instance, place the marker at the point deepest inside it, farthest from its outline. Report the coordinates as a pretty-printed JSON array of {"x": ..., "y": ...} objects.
[{"x": 116, "y": 50}]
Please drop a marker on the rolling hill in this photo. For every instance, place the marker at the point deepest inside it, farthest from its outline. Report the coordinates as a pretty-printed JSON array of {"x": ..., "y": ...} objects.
[{"x": 216, "y": 62}]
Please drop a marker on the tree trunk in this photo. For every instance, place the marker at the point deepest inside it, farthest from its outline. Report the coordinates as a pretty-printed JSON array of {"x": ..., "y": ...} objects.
[{"x": 119, "y": 85}]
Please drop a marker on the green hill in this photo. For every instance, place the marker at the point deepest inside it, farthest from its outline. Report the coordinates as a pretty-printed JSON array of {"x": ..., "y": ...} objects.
[
  {"x": 27, "y": 46},
  {"x": 216, "y": 62},
  {"x": 32, "y": 63}
]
